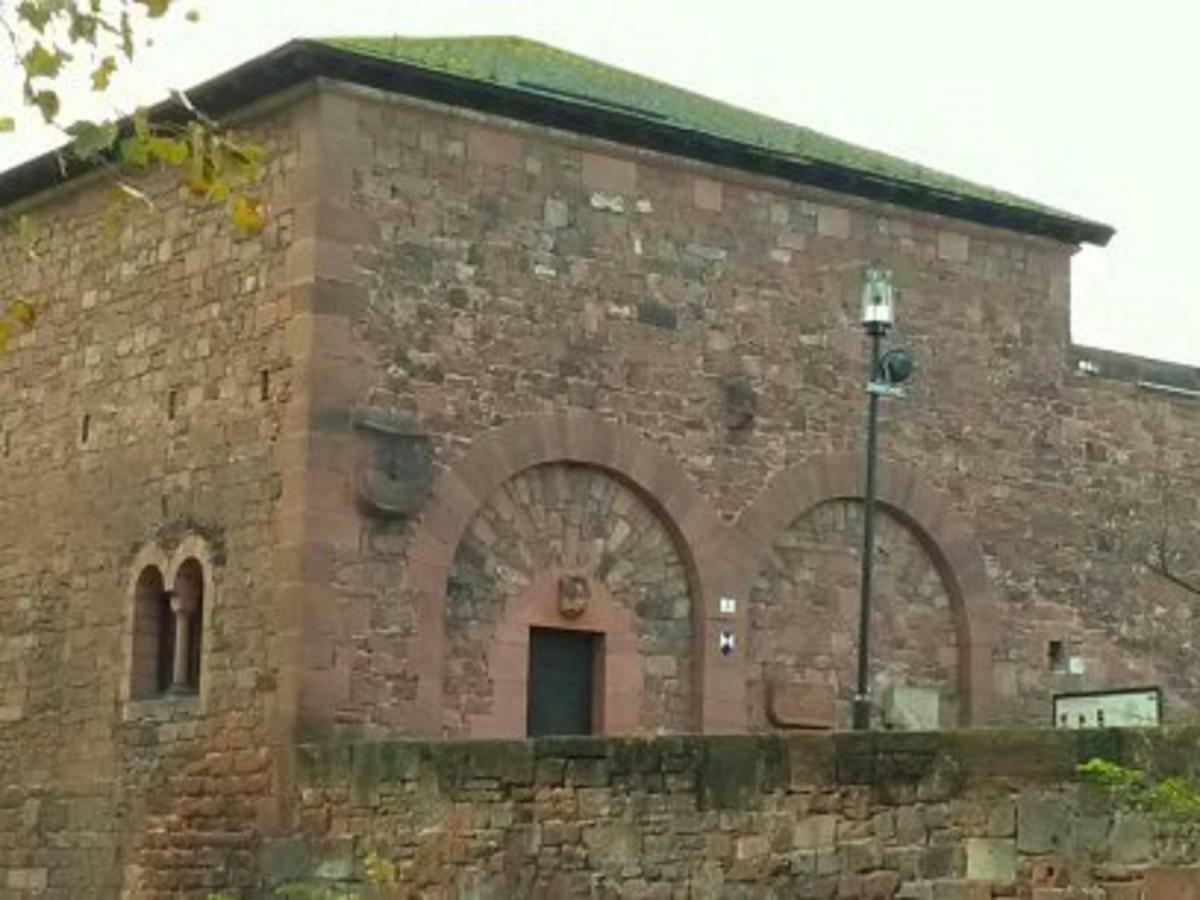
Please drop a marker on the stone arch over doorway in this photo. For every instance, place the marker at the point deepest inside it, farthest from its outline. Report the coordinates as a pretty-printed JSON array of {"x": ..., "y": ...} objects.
[
  {"x": 612, "y": 563},
  {"x": 945, "y": 536},
  {"x": 498, "y": 456}
]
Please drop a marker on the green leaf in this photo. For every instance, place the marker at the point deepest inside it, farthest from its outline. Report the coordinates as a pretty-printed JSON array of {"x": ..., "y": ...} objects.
[
  {"x": 22, "y": 311},
  {"x": 134, "y": 152},
  {"x": 167, "y": 150},
  {"x": 156, "y": 9},
  {"x": 41, "y": 62},
  {"x": 7, "y": 124},
  {"x": 48, "y": 103},
  {"x": 248, "y": 215},
  {"x": 83, "y": 27},
  {"x": 192, "y": 15},
  {"x": 91, "y": 139},
  {"x": 34, "y": 14},
  {"x": 141, "y": 122},
  {"x": 103, "y": 73}
]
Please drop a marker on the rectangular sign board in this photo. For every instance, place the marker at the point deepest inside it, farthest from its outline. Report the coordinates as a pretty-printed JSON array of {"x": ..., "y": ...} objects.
[{"x": 1127, "y": 708}]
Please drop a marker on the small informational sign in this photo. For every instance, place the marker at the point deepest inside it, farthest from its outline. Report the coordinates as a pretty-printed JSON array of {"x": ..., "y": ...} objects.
[
  {"x": 1129, "y": 708},
  {"x": 1075, "y": 665},
  {"x": 728, "y": 606},
  {"x": 725, "y": 643}
]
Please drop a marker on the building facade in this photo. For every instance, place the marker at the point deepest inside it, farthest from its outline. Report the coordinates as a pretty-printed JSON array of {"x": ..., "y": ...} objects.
[{"x": 534, "y": 412}]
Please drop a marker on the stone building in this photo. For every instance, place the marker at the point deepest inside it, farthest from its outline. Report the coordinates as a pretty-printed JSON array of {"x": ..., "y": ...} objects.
[{"x": 541, "y": 380}]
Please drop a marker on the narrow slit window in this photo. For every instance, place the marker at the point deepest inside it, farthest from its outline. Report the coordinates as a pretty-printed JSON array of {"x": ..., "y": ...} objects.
[
  {"x": 153, "y": 636},
  {"x": 1056, "y": 656}
]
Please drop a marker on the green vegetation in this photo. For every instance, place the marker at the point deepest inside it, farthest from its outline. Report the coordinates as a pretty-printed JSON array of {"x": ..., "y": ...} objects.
[
  {"x": 57, "y": 42},
  {"x": 1173, "y": 798}
]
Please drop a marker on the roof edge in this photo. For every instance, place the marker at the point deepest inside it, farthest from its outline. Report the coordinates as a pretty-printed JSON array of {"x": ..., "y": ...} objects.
[
  {"x": 1145, "y": 372},
  {"x": 304, "y": 59}
]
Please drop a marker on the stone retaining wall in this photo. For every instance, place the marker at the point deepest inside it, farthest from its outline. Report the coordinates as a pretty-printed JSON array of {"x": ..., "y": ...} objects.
[{"x": 950, "y": 816}]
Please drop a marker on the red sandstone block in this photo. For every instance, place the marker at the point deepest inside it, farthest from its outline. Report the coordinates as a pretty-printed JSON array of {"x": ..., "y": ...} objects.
[
  {"x": 810, "y": 705},
  {"x": 1173, "y": 884},
  {"x": 608, "y": 173}
]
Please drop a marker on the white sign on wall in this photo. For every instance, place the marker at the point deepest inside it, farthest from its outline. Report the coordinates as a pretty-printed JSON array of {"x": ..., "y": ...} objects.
[
  {"x": 1131, "y": 708},
  {"x": 725, "y": 643}
]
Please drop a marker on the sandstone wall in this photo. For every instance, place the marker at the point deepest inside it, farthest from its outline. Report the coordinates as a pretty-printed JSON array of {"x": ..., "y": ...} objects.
[
  {"x": 443, "y": 298},
  {"x": 490, "y": 277},
  {"x": 961, "y": 816},
  {"x": 141, "y": 420}
]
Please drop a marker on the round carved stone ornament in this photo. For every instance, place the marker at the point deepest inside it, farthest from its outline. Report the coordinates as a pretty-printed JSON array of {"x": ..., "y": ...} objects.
[{"x": 574, "y": 592}]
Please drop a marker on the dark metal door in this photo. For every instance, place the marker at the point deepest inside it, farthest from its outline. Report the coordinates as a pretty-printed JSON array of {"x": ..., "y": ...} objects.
[{"x": 560, "y": 681}]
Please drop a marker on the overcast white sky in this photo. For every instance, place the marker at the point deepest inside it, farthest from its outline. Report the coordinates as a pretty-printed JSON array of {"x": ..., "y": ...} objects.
[{"x": 1088, "y": 105}]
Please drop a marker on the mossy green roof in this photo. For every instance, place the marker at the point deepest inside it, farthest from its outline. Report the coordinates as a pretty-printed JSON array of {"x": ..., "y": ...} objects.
[{"x": 529, "y": 67}]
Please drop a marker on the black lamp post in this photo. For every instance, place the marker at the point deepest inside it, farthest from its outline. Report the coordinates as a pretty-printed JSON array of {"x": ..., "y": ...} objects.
[{"x": 886, "y": 373}]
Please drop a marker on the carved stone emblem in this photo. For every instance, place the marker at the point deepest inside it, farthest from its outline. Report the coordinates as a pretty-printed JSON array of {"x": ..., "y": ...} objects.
[
  {"x": 396, "y": 470},
  {"x": 574, "y": 592}
]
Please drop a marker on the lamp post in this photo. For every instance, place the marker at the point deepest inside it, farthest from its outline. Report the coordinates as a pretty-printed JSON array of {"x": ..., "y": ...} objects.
[{"x": 886, "y": 373}]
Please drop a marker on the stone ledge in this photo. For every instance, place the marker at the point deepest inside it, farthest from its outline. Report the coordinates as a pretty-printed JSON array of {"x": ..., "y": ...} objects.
[
  {"x": 162, "y": 709},
  {"x": 756, "y": 762}
]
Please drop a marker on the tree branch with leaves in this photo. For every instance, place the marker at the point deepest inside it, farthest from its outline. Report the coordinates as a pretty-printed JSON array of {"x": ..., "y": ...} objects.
[{"x": 54, "y": 45}]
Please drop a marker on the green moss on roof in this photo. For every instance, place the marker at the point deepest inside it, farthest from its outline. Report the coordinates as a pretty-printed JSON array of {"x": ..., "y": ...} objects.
[{"x": 530, "y": 67}]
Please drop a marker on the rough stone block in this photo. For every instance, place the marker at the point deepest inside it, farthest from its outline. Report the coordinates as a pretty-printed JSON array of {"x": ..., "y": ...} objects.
[
  {"x": 495, "y": 148},
  {"x": 607, "y": 173},
  {"x": 861, "y": 856},
  {"x": 1001, "y": 817},
  {"x": 556, "y": 213},
  {"x": 833, "y": 221},
  {"x": 587, "y": 772},
  {"x": 910, "y": 825},
  {"x": 1043, "y": 823},
  {"x": 992, "y": 859},
  {"x": 1131, "y": 839},
  {"x": 815, "y": 831},
  {"x": 910, "y": 708},
  {"x": 1125, "y": 890},
  {"x": 803, "y": 705},
  {"x": 953, "y": 247},
  {"x": 753, "y": 846},
  {"x": 706, "y": 194},
  {"x": 729, "y": 772},
  {"x": 880, "y": 886},
  {"x": 1173, "y": 884}
]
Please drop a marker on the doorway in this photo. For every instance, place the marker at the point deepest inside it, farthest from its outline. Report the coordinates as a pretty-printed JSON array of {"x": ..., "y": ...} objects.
[{"x": 561, "y": 685}]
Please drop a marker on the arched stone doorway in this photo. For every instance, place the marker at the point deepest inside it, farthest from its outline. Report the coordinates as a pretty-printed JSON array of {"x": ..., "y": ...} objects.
[
  {"x": 497, "y": 461},
  {"x": 561, "y": 529},
  {"x": 939, "y": 563},
  {"x": 803, "y": 628}
]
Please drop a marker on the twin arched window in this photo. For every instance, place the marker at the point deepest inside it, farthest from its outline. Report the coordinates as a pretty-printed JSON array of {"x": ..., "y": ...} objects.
[{"x": 167, "y": 632}]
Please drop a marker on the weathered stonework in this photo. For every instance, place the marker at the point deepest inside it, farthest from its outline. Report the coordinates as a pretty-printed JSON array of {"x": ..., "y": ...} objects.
[
  {"x": 805, "y": 607},
  {"x": 918, "y": 817},
  {"x": 469, "y": 358},
  {"x": 570, "y": 518},
  {"x": 137, "y": 432}
]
